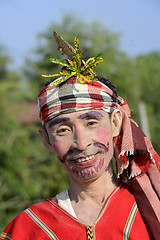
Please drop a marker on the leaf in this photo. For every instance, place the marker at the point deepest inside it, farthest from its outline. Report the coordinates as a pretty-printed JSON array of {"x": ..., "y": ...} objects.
[
  {"x": 52, "y": 75},
  {"x": 79, "y": 79},
  {"x": 92, "y": 62},
  {"x": 77, "y": 61},
  {"x": 58, "y": 61},
  {"x": 81, "y": 54},
  {"x": 76, "y": 44},
  {"x": 87, "y": 71},
  {"x": 64, "y": 72},
  {"x": 89, "y": 78},
  {"x": 72, "y": 63},
  {"x": 62, "y": 79}
]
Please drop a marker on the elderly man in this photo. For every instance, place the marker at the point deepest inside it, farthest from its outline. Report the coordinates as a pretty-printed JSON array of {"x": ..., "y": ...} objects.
[{"x": 86, "y": 123}]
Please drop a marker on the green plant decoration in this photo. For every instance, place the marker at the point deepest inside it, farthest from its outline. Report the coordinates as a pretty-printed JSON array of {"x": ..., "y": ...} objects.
[{"x": 76, "y": 67}]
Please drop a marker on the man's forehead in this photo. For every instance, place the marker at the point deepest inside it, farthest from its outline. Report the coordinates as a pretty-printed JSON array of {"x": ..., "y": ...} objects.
[{"x": 79, "y": 115}]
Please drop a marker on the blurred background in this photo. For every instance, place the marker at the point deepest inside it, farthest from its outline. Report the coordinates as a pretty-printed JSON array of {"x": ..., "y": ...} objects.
[{"x": 128, "y": 36}]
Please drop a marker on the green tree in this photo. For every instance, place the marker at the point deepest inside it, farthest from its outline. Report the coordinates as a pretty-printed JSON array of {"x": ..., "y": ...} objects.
[{"x": 148, "y": 71}]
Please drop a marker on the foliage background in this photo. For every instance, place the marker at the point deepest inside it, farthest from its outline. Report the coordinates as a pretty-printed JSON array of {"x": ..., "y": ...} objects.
[{"x": 28, "y": 173}]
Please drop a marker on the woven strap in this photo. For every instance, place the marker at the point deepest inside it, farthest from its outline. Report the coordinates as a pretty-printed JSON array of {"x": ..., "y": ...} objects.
[{"x": 90, "y": 232}]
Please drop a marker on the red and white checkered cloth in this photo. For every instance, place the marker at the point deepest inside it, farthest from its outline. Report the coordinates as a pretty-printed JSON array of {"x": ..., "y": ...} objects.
[{"x": 73, "y": 96}]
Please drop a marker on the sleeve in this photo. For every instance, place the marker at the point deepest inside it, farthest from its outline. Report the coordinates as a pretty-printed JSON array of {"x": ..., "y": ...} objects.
[{"x": 18, "y": 229}]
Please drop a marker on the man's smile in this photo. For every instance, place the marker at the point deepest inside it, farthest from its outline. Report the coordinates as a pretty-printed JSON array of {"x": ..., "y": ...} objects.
[
  {"x": 86, "y": 162},
  {"x": 84, "y": 159}
]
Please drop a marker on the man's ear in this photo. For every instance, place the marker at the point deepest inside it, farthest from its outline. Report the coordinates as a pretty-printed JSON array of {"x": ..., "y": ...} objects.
[
  {"x": 45, "y": 139},
  {"x": 116, "y": 121}
]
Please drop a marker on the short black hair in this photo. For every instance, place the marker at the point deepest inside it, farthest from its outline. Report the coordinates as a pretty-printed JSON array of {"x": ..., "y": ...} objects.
[{"x": 108, "y": 82}]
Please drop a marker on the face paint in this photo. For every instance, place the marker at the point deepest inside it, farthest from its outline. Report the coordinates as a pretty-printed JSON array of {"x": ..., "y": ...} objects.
[
  {"x": 100, "y": 165},
  {"x": 89, "y": 172},
  {"x": 102, "y": 146},
  {"x": 103, "y": 135},
  {"x": 66, "y": 155},
  {"x": 57, "y": 146},
  {"x": 83, "y": 173},
  {"x": 91, "y": 114},
  {"x": 58, "y": 120}
]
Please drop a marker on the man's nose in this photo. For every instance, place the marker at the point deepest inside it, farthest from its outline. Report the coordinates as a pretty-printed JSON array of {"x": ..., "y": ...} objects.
[{"x": 81, "y": 138}]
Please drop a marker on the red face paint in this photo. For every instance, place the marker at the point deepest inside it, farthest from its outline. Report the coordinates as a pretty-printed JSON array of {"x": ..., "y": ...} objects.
[
  {"x": 103, "y": 135},
  {"x": 102, "y": 146},
  {"x": 58, "y": 146},
  {"x": 90, "y": 172}
]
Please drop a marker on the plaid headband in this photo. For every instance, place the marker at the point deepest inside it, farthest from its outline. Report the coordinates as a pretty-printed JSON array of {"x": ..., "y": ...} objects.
[{"x": 73, "y": 96}]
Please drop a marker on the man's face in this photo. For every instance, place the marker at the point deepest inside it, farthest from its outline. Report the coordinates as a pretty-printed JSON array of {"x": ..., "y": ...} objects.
[{"x": 83, "y": 142}]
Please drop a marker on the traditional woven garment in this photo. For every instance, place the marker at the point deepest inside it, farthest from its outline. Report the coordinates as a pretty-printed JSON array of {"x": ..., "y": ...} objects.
[
  {"x": 47, "y": 220},
  {"x": 136, "y": 158}
]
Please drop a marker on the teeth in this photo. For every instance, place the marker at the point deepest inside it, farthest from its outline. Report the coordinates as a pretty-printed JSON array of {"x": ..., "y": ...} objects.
[{"x": 84, "y": 159}]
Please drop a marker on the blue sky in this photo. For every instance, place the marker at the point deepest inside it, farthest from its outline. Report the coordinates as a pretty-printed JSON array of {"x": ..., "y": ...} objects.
[{"x": 136, "y": 20}]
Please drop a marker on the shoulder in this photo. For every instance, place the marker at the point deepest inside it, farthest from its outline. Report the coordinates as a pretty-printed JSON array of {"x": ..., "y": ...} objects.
[
  {"x": 22, "y": 225},
  {"x": 42, "y": 221},
  {"x": 123, "y": 192}
]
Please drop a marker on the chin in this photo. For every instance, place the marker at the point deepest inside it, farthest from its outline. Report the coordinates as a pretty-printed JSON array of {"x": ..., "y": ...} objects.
[{"x": 86, "y": 175}]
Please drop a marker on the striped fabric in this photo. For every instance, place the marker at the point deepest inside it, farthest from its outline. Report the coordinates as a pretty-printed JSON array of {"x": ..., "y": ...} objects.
[
  {"x": 41, "y": 224},
  {"x": 130, "y": 221},
  {"x": 5, "y": 236}
]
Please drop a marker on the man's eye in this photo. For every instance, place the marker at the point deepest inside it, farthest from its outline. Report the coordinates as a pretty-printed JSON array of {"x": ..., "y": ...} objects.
[
  {"x": 62, "y": 131},
  {"x": 92, "y": 123}
]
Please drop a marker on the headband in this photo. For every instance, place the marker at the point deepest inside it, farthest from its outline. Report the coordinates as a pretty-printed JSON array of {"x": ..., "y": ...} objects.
[{"x": 73, "y": 96}]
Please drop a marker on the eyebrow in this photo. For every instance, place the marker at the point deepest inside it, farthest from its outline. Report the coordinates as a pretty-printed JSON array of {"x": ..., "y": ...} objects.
[
  {"x": 90, "y": 114},
  {"x": 58, "y": 120}
]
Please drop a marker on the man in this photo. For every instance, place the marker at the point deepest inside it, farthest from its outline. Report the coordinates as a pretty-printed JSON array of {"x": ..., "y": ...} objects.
[{"x": 85, "y": 123}]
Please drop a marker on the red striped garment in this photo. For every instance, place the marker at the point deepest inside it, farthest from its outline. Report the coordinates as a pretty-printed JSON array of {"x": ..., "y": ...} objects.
[{"x": 120, "y": 219}]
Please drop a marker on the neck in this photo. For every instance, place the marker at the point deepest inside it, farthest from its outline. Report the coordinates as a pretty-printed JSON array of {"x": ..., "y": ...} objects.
[{"x": 96, "y": 191}]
